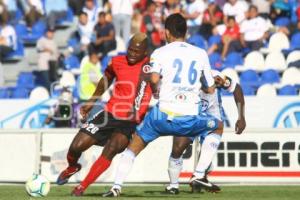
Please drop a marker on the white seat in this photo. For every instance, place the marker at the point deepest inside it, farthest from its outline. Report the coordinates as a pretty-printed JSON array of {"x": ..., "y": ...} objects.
[
  {"x": 292, "y": 57},
  {"x": 266, "y": 90},
  {"x": 67, "y": 79},
  {"x": 254, "y": 60},
  {"x": 276, "y": 61},
  {"x": 231, "y": 73},
  {"x": 291, "y": 76},
  {"x": 39, "y": 94},
  {"x": 278, "y": 41}
]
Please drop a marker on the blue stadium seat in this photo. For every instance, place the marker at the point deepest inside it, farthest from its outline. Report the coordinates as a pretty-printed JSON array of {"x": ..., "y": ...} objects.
[
  {"x": 26, "y": 80},
  {"x": 67, "y": 20},
  {"x": 214, "y": 39},
  {"x": 71, "y": 62},
  {"x": 37, "y": 31},
  {"x": 21, "y": 30},
  {"x": 4, "y": 93},
  {"x": 270, "y": 76},
  {"x": 233, "y": 59},
  {"x": 72, "y": 42},
  {"x": 283, "y": 21},
  {"x": 20, "y": 93},
  {"x": 104, "y": 63},
  {"x": 215, "y": 61},
  {"x": 17, "y": 54},
  {"x": 295, "y": 41},
  {"x": 250, "y": 78},
  {"x": 197, "y": 40},
  {"x": 287, "y": 90},
  {"x": 248, "y": 90}
]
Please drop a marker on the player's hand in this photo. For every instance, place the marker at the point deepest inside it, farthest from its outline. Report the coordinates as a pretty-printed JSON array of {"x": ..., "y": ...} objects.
[
  {"x": 240, "y": 126},
  {"x": 85, "y": 109}
]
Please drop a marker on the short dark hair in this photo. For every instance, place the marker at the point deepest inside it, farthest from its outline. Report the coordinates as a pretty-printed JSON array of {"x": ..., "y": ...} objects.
[
  {"x": 231, "y": 17},
  {"x": 83, "y": 13},
  {"x": 101, "y": 14},
  {"x": 253, "y": 7},
  {"x": 176, "y": 25}
]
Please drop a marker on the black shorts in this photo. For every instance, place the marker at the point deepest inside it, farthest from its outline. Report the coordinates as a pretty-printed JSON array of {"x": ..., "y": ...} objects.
[{"x": 104, "y": 124}]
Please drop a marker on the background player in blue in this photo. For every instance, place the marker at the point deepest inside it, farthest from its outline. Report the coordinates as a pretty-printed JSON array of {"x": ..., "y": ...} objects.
[
  {"x": 211, "y": 104},
  {"x": 177, "y": 68}
]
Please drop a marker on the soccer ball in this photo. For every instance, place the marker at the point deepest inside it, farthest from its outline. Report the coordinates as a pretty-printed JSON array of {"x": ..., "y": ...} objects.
[{"x": 37, "y": 186}]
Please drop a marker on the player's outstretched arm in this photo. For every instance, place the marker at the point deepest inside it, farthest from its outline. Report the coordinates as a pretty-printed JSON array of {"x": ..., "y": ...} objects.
[{"x": 238, "y": 94}]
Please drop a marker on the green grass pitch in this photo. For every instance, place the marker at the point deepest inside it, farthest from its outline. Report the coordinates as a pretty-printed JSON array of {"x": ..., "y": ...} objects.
[{"x": 156, "y": 193}]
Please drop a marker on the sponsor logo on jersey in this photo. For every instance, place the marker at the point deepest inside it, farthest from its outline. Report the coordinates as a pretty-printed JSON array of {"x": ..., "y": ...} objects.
[
  {"x": 227, "y": 83},
  {"x": 180, "y": 97},
  {"x": 140, "y": 95},
  {"x": 211, "y": 123},
  {"x": 146, "y": 69}
]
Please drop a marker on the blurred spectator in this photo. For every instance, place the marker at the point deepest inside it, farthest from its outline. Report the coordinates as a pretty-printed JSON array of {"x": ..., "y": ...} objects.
[
  {"x": 151, "y": 25},
  {"x": 33, "y": 10},
  {"x": 122, "y": 11},
  {"x": 237, "y": 8},
  {"x": 47, "y": 57},
  {"x": 84, "y": 34},
  {"x": 61, "y": 114},
  {"x": 230, "y": 39},
  {"x": 105, "y": 36},
  {"x": 76, "y": 6},
  {"x": 280, "y": 8},
  {"x": 254, "y": 30},
  {"x": 212, "y": 17},
  {"x": 220, "y": 3},
  {"x": 8, "y": 37},
  {"x": 171, "y": 7},
  {"x": 55, "y": 10},
  {"x": 92, "y": 10},
  {"x": 193, "y": 12},
  {"x": 298, "y": 13},
  {"x": 11, "y": 7},
  {"x": 264, "y": 7},
  {"x": 90, "y": 74}
]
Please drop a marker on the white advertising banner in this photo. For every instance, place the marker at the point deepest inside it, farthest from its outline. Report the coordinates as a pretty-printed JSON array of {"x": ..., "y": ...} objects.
[
  {"x": 18, "y": 155},
  {"x": 283, "y": 112},
  {"x": 257, "y": 156},
  {"x": 150, "y": 166}
]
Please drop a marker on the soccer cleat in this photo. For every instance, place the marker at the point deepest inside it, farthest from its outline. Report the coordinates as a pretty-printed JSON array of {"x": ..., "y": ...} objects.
[
  {"x": 113, "y": 192},
  {"x": 64, "y": 176},
  {"x": 78, "y": 191},
  {"x": 197, "y": 184},
  {"x": 171, "y": 190}
]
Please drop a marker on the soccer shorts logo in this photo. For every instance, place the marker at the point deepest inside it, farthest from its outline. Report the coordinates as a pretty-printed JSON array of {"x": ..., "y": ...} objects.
[{"x": 211, "y": 123}]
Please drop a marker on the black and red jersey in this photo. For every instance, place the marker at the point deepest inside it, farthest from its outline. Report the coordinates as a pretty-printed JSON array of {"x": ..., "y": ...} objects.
[{"x": 132, "y": 92}]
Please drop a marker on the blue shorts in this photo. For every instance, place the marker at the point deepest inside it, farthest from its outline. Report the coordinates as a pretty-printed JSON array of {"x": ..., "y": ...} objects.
[{"x": 157, "y": 123}]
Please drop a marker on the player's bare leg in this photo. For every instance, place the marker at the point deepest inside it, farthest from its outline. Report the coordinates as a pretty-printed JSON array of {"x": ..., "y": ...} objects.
[
  {"x": 116, "y": 144},
  {"x": 176, "y": 162},
  {"x": 208, "y": 150},
  {"x": 80, "y": 143},
  {"x": 125, "y": 164}
]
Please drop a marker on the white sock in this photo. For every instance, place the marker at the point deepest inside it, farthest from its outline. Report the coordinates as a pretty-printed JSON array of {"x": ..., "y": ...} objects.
[
  {"x": 174, "y": 169},
  {"x": 208, "y": 151},
  {"x": 125, "y": 165}
]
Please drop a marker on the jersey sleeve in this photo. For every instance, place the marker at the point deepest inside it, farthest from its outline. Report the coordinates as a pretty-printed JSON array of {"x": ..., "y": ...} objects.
[
  {"x": 156, "y": 66},
  {"x": 229, "y": 84},
  {"x": 207, "y": 74}
]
